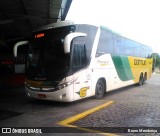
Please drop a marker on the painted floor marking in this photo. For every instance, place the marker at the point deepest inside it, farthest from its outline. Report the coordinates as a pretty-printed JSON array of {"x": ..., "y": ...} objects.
[{"x": 72, "y": 119}]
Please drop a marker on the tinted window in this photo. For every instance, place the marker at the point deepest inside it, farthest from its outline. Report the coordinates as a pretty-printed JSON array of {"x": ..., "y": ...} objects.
[
  {"x": 118, "y": 45},
  {"x": 89, "y": 39},
  {"x": 136, "y": 49},
  {"x": 115, "y": 44},
  {"x": 149, "y": 53},
  {"x": 46, "y": 57},
  {"x": 143, "y": 51},
  {"x": 105, "y": 44},
  {"x": 79, "y": 56},
  {"x": 129, "y": 47}
]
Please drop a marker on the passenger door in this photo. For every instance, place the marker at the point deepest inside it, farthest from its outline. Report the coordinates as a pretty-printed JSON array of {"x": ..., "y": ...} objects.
[{"x": 81, "y": 84}]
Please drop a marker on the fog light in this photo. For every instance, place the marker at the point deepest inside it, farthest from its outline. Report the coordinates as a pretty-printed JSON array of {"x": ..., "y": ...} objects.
[
  {"x": 63, "y": 95},
  {"x": 28, "y": 94}
]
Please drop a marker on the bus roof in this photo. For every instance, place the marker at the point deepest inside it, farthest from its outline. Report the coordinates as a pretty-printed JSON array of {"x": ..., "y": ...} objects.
[
  {"x": 54, "y": 25},
  {"x": 68, "y": 22}
]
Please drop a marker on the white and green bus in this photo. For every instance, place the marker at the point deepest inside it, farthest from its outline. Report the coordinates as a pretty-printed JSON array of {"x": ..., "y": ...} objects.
[{"x": 67, "y": 62}]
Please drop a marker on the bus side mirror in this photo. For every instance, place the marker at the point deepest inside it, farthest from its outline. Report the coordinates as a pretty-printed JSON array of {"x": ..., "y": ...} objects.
[
  {"x": 16, "y": 46},
  {"x": 68, "y": 39}
]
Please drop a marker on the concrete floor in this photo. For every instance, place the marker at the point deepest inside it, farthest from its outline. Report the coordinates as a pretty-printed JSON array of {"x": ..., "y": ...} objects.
[{"x": 133, "y": 107}]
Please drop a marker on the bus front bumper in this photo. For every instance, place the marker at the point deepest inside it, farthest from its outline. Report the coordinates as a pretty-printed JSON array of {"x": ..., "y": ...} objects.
[{"x": 63, "y": 95}]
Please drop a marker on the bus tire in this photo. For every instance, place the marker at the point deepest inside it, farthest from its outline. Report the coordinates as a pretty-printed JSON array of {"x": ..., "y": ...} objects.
[
  {"x": 140, "y": 79},
  {"x": 100, "y": 89},
  {"x": 144, "y": 78}
]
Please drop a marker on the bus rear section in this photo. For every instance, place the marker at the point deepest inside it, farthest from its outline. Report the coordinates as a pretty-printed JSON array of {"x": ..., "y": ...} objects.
[{"x": 122, "y": 61}]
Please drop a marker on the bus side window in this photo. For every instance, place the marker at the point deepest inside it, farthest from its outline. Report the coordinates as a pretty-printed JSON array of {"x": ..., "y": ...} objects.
[
  {"x": 148, "y": 52},
  {"x": 129, "y": 47},
  {"x": 118, "y": 45},
  {"x": 105, "y": 44},
  {"x": 79, "y": 56}
]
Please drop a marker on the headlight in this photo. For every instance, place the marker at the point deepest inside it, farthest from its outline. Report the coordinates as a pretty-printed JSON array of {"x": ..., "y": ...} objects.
[
  {"x": 61, "y": 86},
  {"x": 40, "y": 89},
  {"x": 50, "y": 89}
]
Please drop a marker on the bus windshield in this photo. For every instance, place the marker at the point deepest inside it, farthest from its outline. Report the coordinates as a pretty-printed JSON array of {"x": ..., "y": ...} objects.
[{"x": 46, "y": 59}]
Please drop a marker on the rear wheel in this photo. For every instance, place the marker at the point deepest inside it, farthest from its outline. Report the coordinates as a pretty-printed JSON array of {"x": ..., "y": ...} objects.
[
  {"x": 140, "y": 80},
  {"x": 100, "y": 89},
  {"x": 144, "y": 78}
]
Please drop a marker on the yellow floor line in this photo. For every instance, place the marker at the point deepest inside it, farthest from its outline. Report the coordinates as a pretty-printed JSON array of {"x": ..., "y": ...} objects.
[
  {"x": 72, "y": 119},
  {"x": 84, "y": 114},
  {"x": 90, "y": 130}
]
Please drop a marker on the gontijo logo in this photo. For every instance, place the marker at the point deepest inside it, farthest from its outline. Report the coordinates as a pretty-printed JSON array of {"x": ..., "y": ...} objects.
[{"x": 139, "y": 62}]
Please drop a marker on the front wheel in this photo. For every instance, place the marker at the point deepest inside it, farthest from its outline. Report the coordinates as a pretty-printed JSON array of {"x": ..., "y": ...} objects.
[{"x": 100, "y": 89}]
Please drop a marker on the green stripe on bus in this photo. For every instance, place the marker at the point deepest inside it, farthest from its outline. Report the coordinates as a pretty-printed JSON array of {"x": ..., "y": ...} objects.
[{"x": 122, "y": 67}]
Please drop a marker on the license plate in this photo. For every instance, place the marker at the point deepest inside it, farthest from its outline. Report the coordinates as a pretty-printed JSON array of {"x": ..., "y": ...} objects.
[{"x": 42, "y": 96}]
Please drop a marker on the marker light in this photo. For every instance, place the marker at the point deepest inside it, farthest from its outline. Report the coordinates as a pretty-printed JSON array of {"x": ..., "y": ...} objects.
[{"x": 39, "y": 35}]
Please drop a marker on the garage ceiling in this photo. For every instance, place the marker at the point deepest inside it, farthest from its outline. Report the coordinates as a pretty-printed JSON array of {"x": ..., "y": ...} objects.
[{"x": 18, "y": 18}]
